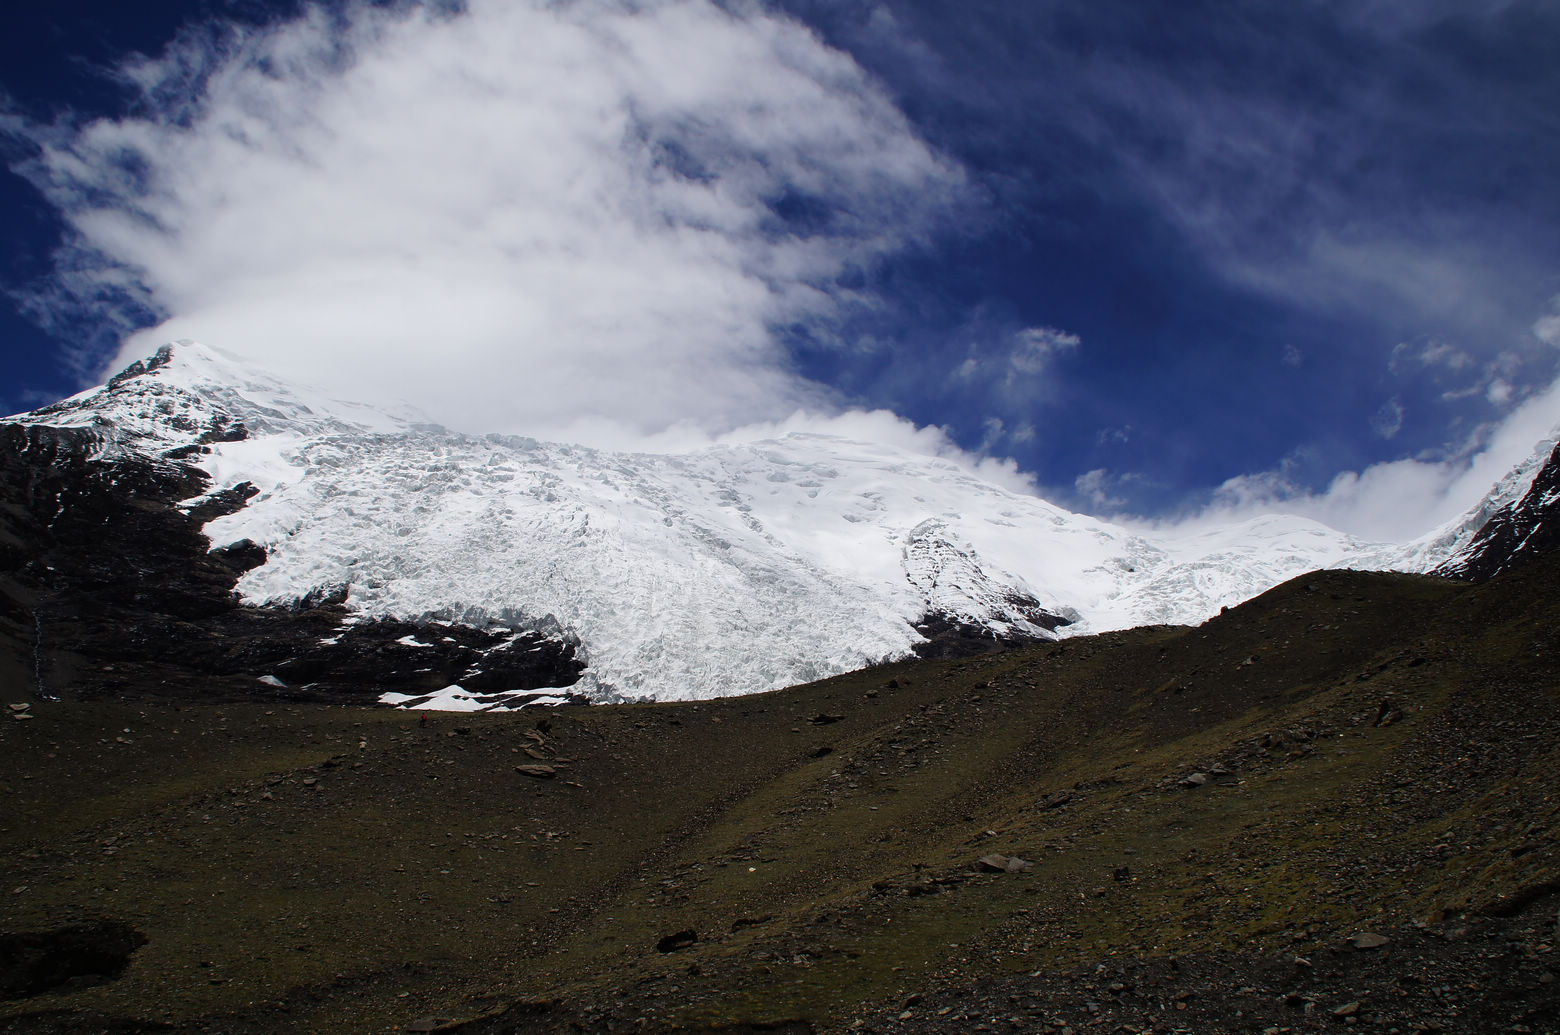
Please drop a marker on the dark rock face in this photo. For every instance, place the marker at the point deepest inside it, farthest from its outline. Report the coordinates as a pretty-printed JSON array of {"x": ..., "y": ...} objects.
[
  {"x": 76, "y": 955},
  {"x": 935, "y": 556},
  {"x": 107, "y": 587},
  {"x": 674, "y": 942},
  {"x": 948, "y": 637},
  {"x": 1515, "y": 533}
]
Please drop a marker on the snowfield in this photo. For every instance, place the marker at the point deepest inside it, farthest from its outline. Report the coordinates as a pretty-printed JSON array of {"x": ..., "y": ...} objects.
[{"x": 727, "y": 570}]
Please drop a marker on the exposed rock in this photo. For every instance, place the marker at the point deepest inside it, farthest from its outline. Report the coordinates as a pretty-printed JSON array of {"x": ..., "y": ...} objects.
[
  {"x": 674, "y": 942},
  {"x": 540, "y": 772},
  {"x": 101, "y": 563},
  {"x": 1514, "y": 533},
  {"x": 937, "y": 560},
  {"x": 32, "y": 963},
  {"x": 948, "y": 637},
  {"x": 999, "y": 863},
  {"x": 1387, "y": 714}
]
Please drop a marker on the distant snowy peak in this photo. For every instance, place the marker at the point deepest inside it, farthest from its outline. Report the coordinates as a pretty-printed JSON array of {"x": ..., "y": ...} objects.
[
  {"x": 144, "y": 411},
  {"x": 957, "y": 589},
  {"x": 188, "y": 394},
  {"x": 1520, "y": 519},
  {"x": 738, "y": 567}
]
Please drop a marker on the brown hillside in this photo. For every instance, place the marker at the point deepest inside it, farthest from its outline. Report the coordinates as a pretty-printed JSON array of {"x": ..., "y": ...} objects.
[{"x": 1213, "y": 817}]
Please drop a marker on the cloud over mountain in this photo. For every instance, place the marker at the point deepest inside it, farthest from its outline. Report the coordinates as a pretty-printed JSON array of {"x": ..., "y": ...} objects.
[{"x": 517, "y": 216}]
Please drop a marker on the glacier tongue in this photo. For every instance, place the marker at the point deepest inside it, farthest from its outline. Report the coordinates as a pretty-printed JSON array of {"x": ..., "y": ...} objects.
[{"x": 730, "y": 569}]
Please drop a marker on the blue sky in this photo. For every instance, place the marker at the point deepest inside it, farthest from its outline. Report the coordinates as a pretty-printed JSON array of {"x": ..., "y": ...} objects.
[{"x": 1165, "y": 257}]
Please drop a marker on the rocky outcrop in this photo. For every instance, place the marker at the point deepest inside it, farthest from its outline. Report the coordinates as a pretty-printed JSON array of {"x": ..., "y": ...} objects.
[
  {"x": 74, "y": 956},
  {"x": 1515, "y": 533},
  {"x": 951, "y": 636},
  {"x": 108, "y": 586},
  {"x": 969, "y": 610}
]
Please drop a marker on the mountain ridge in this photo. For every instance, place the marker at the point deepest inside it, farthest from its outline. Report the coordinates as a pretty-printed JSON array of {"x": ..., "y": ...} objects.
[
  {"x": 1316, "y": 806},
  {"x": 739, "y": 567}
]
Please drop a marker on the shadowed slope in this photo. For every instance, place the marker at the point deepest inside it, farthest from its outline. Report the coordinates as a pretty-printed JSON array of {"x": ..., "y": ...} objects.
[{"x": 1346, "y": 754}]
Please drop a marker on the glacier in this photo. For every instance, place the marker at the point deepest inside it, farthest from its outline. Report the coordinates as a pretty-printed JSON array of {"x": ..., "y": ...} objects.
[{"x": 729, "y": 569}]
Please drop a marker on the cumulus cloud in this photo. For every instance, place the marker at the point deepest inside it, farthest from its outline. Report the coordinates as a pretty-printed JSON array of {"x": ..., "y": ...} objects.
[{"x": 523, "y": 216}]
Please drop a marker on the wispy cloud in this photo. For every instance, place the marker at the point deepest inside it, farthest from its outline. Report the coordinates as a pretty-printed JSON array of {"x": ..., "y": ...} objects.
[
  {"x": 1094, "y": 487},
  {"x": 1012, "y": 358},
  {"x": 519, "y": 215},
  {"x": 1359, "y": 160},
  {"x": 1400, "y": 499},
  {"x": 1388, "y": 420},
  {"x": 1432, "y": 353},
  {"x": 1308, "y": 181},
  {"x": 1034, "y": 348},
  {"x": 1114, "y": 436},
  {"x": 1547, "y": 328}
]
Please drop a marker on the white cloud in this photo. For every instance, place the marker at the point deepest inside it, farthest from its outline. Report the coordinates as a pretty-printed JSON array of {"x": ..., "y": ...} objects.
[
  {"x": 992, "y": 430},
  {"x": 1547, "y": 328},
  {"x": 1398, "y": 500},
  {"x": 1292, "y": 357},
  {"x": 1439, "y": 353},
  {"x": 1094, "y": 486},
  {"x": 1432, "y": 353},
  {"x": 1035, "y": 347},
  {"x": 528, "y": 216}
]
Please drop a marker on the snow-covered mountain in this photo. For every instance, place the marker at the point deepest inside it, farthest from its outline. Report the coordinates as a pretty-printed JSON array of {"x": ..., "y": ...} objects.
[
  {"x": 730, "y": 569},
  {"x": 1517, "y": 520}
]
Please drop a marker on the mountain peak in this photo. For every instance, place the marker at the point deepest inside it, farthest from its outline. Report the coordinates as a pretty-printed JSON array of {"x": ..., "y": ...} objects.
[
  {"x": 1516, "y": 520},
  {"x": 188, "y": 395},
  {"x": 734, "y": 568}
]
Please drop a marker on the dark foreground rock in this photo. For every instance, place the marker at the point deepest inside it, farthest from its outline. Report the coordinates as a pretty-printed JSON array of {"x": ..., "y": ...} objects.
[
  {"x": 76, "y": 955},
  {"x": 1481, "y": 974}
]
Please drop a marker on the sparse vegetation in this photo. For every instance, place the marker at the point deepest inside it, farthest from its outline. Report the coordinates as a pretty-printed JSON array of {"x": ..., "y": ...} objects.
[{"x": 1375, "y": 754}]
